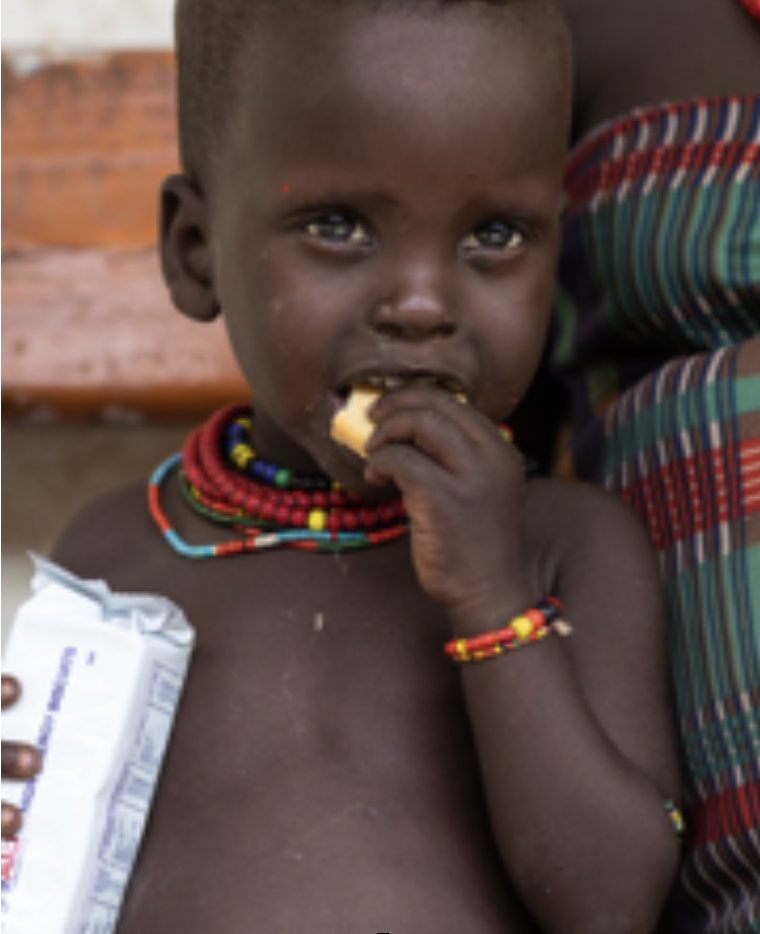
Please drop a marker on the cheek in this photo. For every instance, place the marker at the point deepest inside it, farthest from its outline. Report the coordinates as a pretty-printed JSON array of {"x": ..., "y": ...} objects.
[
  {"x": 267, "y": 346},
  {"x": 262, "y": 320},
  {"x": 513, "y": 349}
]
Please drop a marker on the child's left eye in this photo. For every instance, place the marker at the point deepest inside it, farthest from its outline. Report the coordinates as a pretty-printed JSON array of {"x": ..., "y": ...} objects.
[
  {"x": 496, "y": 235},
  {"x": 337, "y": 228}
]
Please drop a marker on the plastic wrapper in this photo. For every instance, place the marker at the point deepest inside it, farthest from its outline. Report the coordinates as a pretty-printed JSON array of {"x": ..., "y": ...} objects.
[{"x": 102, "y": 674}]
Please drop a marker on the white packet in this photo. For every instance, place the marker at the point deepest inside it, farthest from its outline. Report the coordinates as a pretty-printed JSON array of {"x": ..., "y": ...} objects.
[{"x": 101, "y": 676}]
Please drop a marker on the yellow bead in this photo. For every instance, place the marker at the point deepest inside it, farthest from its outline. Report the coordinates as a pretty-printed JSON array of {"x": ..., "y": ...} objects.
[
  {"x": 241, "y": 454},
  {"x": 317, "y": 520},
  {"x": 522, "y": 627}
]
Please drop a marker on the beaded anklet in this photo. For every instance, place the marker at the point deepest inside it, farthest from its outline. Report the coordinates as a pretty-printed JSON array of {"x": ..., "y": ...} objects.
[
  {"x": 532, "y": 626},
  {"x": 268, "y": 507}
]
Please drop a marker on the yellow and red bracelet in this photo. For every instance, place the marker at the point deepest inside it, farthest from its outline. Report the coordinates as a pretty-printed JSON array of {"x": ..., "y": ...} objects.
[{"x": 532, "y": 626}]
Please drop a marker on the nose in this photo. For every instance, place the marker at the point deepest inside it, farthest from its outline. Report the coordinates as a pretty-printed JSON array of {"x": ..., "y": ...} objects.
[{"x": 417, "y": 309}]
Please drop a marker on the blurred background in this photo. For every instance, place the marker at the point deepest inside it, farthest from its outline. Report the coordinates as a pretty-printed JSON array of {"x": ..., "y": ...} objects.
[
  {"x": 100, "y": 377},
  {"x": 86, "y": 24}
]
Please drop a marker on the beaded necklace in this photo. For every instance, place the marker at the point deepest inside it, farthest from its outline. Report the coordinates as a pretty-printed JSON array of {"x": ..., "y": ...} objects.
[{"x": 223, "y": 480}]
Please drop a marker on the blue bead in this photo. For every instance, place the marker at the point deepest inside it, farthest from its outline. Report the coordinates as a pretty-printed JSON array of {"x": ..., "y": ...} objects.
[{"x": 163, "y": 469}]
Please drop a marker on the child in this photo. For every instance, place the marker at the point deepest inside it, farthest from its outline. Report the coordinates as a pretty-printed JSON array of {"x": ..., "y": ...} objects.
[{"x": 371, "y": 196}]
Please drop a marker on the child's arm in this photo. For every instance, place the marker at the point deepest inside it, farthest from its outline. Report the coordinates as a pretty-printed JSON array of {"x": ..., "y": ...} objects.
[{"x": 575, "y": 736}]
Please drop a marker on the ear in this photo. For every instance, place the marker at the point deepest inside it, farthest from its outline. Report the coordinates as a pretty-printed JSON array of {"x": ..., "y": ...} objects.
[{"x": 185, "y": 249}]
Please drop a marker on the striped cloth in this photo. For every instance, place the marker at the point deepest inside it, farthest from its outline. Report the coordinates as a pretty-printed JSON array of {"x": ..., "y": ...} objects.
[{"x": 658, "y": 339}]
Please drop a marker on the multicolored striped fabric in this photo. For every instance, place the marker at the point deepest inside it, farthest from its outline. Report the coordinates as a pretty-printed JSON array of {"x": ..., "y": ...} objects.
[
  {"x": 683, "y": 447},
  {"x": 658, "y": 338}
]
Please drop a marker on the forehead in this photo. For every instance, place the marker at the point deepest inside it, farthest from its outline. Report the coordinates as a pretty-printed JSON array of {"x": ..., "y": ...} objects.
[{"x": 345, "y": 82}]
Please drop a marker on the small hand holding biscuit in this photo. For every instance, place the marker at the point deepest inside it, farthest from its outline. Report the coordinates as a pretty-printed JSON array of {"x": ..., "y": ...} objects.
[{"x": 463, "y": 487}]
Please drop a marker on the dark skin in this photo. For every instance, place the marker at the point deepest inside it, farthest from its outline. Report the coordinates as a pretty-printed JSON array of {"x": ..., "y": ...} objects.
[
  {"x": 20, "y": 761},
  {"x": 387, "y": 203}
]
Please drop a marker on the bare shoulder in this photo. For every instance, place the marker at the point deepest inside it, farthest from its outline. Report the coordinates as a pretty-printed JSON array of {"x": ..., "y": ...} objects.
[
  {"x": 584, "y": 522},
  {"x": 596, "y": 557},
  {"x": 595, "y": 552},
  {"x": 584, "y": 529},
  {"x": 109, "y": 532}
]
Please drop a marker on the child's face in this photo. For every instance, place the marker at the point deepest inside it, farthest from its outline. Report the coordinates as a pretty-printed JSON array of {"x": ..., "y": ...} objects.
[{"x": 387, "y": 205}]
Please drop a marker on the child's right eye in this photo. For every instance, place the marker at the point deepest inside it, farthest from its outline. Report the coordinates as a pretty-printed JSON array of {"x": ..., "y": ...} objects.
[{"x": 338, "y": 228}]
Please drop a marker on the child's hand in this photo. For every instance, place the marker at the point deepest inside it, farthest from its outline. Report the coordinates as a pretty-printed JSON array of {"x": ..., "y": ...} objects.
[
  {"x": 19, "y": 761},
  {"x": 463, "y": 488}
]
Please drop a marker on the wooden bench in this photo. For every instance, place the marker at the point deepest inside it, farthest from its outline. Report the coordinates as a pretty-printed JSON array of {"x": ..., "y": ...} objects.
[{"x": 88, "y": 331}]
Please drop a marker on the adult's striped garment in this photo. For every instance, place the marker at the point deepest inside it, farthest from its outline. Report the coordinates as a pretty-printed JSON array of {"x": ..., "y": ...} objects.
[{"x": 657, "y": 337}]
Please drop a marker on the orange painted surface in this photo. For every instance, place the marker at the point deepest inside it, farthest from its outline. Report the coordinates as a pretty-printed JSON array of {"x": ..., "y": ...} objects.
[
  {"x": 91, "y": 335},
  {"x": 85, "y": 145},
  {"x": 88, "y": 330}
]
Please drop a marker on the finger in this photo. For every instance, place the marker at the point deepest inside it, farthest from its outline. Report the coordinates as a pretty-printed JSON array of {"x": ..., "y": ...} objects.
[
  {"x": 443, "y": 437},
  {"x": 12, "y": 821},
  {"x": 469, "y": 420},
  {"x": 426, "y": 430},
  {"x": 11, "y": 690},
  {"x": 409, "y": 468},
  {"x": 20, "y": 761}
]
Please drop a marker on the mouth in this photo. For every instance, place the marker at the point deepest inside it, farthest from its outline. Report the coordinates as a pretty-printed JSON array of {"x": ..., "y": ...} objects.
[{"x": 382, "y": 383}]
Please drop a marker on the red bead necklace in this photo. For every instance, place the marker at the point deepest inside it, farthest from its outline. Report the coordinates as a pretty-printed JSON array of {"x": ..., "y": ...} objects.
[
  {"x": 220, "y": 485},
  {"x": 270, "y": 507}
]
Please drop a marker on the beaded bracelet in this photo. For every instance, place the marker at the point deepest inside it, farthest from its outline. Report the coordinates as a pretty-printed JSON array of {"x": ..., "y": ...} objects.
[
  {"x": 675, "y": 817},
  {"x": 532, "y": 626}
]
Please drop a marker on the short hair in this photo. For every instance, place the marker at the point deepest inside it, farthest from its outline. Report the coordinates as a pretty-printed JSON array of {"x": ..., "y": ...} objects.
[{"x": 211, "y": 36}]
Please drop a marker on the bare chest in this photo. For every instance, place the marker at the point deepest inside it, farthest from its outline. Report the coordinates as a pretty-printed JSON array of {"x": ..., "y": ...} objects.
[{"x": 322, "y": 748}]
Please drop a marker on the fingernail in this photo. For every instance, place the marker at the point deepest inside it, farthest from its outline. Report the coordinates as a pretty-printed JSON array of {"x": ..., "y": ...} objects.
[{"x": 29, "y": 760}]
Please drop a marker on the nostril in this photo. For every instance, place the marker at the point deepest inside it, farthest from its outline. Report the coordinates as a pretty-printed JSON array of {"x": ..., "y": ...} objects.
[
  {"x": 408, "y": 330},
  {"x": 416, "y": 317}
]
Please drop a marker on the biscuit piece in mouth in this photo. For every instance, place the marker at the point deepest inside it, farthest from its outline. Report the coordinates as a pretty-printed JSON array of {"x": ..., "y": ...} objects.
[{"x": 351, "y": 427}]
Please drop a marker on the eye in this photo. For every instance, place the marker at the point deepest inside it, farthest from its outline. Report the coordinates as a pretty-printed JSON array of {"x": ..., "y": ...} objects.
[
  {"x": 495, "y": 235},
  {"x": 337, "y": 228}
]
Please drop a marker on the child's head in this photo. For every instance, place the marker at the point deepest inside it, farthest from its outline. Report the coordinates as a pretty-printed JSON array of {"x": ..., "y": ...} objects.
[{"x": 373, "y": 189}]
